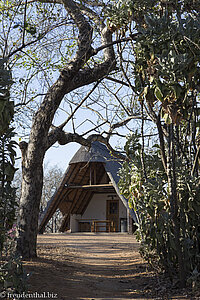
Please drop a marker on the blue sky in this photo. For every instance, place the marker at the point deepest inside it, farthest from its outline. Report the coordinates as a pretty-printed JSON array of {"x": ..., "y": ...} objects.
[{"x": 61, "y": 155}]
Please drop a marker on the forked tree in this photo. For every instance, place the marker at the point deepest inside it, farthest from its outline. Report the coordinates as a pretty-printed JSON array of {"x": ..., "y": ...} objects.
[{"x": 92, "y": 36}]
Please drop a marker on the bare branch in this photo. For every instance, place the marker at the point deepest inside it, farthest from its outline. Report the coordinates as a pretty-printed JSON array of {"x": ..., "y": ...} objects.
[
  {"x": 95, "y": 128},
  {"x": 64, "y": 138},
  {"x": 120, "y": 102},
  {"x": 79, "y": 105},
  {"x": 117, "y": 81},
  {"x": 124, "y": 72},
  {"x": 162, "y": 143},
  {"x": 84, "y": 40},
  {"x": 58, "y": 135},
  {"x": 195, "y": 161},
  {"x": 25, "y": 9},
  {"x": 124, "y": 122},
  {"x": 26, "y": 45},
  {"x": 47, "y": 1},
  {"x": 119, "y": 41}
]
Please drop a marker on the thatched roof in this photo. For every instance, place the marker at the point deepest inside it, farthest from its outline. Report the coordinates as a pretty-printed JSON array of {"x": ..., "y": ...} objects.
[
  {"x": 96, "y": 153},
  {"x": 91, "y": 170}
]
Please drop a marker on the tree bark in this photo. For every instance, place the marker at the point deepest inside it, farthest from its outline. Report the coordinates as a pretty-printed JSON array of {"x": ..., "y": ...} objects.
[
  {"x": 162, "y": 142},
  {"x": 32, "y": 181},
  {"x": 73, "y": 76},
  {"x": 172, "y": 187}
]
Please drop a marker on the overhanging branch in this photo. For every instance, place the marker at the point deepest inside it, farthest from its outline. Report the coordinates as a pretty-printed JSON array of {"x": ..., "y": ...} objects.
[{"x": 64, "y": 138}]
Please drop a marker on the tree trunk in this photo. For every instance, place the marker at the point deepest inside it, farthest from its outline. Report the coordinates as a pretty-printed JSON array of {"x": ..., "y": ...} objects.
[
  {"x": 74, "y": 75},
  {"x": 32, "y": 181},
  {"x": 174, "y": 205}
]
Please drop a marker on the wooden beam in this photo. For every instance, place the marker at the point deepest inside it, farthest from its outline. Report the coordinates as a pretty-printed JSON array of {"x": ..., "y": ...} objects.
[
  {"x": 85, "y": 201},
  {"x": 64, "y": 223},
  {"x": 100, "y": 174},
  {"x": 57, "y": 197},
  {"x": 78, "y": 191},
  {"x": 90, "y": 186}
]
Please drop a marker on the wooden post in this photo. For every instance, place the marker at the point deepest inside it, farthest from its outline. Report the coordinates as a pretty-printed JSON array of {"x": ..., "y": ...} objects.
[
  {"x": 129, "y": 222},
  {"x": 95, "y": 174},
  {"x": 90, "y": 175}
]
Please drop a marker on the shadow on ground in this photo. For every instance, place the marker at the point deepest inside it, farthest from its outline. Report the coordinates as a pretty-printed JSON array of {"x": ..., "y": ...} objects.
[{"x": 99, "y": 267}]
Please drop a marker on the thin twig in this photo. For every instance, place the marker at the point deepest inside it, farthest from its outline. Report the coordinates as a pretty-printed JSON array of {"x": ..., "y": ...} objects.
[
  {"x": 79, "y": 105},
  {"x": 23, "y": 36}
]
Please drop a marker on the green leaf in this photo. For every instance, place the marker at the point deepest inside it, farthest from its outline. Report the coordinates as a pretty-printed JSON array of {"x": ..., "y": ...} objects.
[
  {"x": 158, "y": 94},
  {"x": 177, "y": 90},
  {"x": 9, "y": 171},
  {"x": 30, "y": 29},
  {"x": 16, "y": 26},
  {"x": 2, "y": 105},
  {"x": 167, "y": 119}
]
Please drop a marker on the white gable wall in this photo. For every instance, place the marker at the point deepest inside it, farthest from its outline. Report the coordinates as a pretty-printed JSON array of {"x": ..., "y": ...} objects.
[{"x": 96, "y": 210}]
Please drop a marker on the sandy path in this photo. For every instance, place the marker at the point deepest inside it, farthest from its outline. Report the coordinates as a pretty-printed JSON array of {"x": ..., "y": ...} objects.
[
  {"x": 91, "y": 266},
  {"x": 87, "y": 266}
]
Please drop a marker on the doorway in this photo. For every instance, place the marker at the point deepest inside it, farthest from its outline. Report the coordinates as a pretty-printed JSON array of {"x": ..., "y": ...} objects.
[{"x": 112, "y": 213}]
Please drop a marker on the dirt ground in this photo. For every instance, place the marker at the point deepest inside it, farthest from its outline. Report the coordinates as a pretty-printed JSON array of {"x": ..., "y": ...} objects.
[{"x": 94, "y": 267}]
